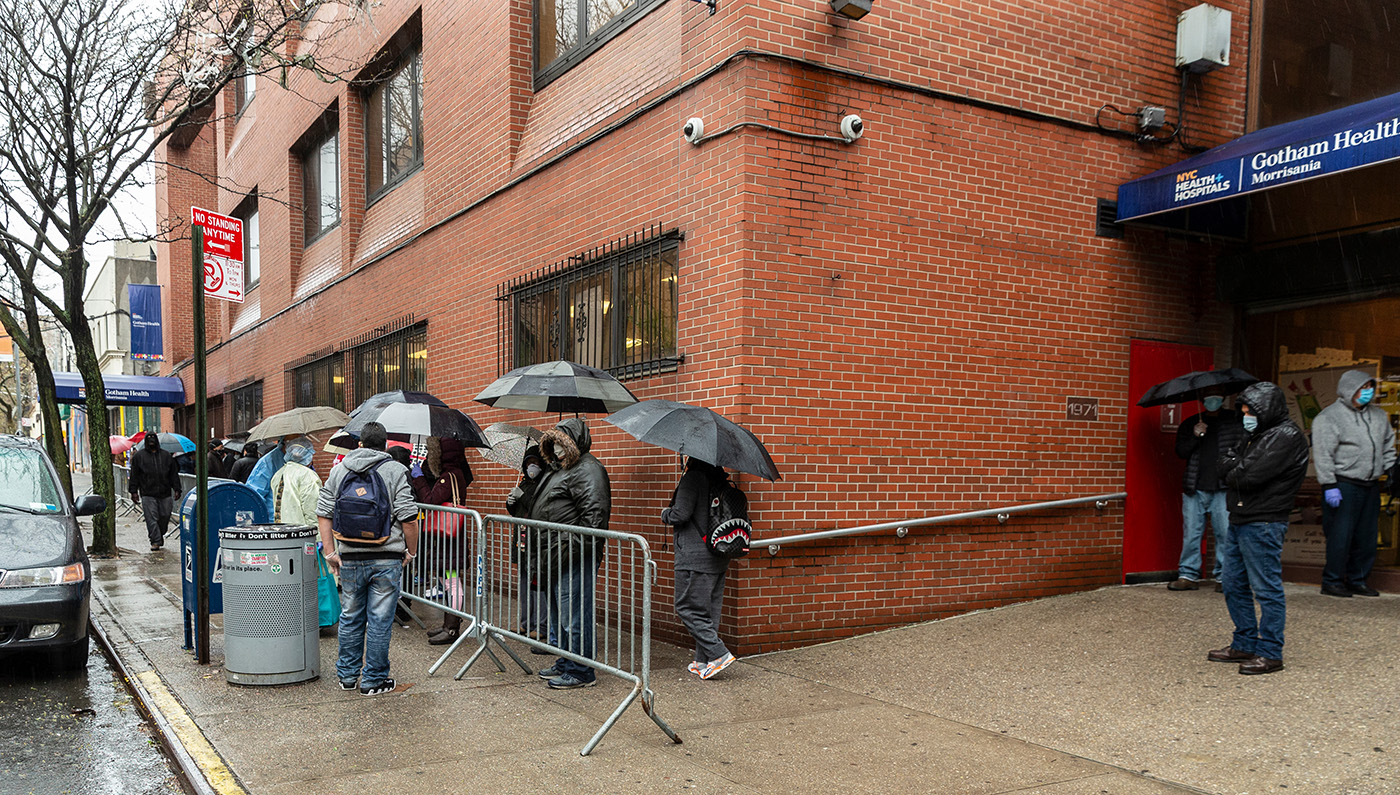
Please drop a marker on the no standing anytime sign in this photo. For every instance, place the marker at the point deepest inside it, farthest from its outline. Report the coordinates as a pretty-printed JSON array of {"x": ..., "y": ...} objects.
[{"x": 223, "y": 254}]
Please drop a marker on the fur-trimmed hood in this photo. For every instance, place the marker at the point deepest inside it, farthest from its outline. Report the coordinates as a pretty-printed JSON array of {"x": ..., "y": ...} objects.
[{"x": 566, "y": 443}]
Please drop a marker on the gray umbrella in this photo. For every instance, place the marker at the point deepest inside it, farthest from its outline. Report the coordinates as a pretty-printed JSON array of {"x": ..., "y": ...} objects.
[
  {"x": 557, "y": 387},
  {"x": 698, "y": 432},
  {"x": 298, "y": 422},
  {"x": 508, "y": 443},
  {"x": 417, "y": 419}
]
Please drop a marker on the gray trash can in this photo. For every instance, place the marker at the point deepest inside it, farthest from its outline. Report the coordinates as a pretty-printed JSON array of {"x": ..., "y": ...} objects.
[{"x": 271, "y": 625}]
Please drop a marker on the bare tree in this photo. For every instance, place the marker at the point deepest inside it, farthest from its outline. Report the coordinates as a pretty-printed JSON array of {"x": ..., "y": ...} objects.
[{"x": 89, "y": 90}]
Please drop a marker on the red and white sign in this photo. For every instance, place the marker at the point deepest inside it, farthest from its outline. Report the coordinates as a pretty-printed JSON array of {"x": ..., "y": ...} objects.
[{"x": 223, "y": 254}]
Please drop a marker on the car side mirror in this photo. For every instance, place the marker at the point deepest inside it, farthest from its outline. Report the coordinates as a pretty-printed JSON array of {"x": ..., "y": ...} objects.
[{"x": 90, "y": 505}]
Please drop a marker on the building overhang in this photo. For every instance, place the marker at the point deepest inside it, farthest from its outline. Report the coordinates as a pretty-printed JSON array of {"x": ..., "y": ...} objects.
[{"x": 123, "y": 390}]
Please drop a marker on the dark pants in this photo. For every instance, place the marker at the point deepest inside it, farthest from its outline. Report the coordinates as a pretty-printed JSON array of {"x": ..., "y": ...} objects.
[
  {"x": 157, "y": 511},
  {"x": 1351, "y": 536},
  {"x": 699, "y": 596}
]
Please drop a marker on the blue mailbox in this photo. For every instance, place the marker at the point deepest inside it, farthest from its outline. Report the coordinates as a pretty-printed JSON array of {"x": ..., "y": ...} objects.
[{"x": 230, "y": 504}]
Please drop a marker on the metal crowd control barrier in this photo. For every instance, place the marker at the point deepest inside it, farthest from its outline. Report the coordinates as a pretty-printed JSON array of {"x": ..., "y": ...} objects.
[
  {"x": 121, "y": 476},
  {"x": 441, "y": 576},
  {"x": 602, "y": 619}
]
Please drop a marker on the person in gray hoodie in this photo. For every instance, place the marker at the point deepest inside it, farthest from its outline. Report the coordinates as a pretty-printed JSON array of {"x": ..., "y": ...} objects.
[
  {"x": 1353, "y": 445},
  {"x": 370, "y": 574}
]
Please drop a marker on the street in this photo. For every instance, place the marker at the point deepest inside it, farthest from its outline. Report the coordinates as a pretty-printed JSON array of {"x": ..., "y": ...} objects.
[{"x": 76, "y": 733}]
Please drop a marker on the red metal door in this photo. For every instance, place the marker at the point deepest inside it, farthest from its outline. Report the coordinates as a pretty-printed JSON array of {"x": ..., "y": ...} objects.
[{"x": 1152, "y": 516}]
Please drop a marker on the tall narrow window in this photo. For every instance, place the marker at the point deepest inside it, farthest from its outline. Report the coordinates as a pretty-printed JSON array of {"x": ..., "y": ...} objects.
[
  {"x": 245, "y": 86},
  {"x": 395, "y": 361},
  {"x": 321, "y": 186},
  {"x": 251, "y": 261},
  {"x": 247, "y": 407},
  {"x": 393, "y": 126}
]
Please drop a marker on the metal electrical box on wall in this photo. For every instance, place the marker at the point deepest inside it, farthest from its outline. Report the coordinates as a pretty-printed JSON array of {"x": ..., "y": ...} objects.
[{"x": 1203, "y": 38}]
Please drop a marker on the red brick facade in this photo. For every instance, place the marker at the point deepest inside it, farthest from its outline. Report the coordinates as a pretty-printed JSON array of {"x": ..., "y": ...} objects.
[{"x": 901, "y": 319}]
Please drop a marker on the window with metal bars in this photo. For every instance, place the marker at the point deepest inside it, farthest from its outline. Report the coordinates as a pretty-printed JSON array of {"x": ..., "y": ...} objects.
[
  {"x": 247, "y": 407},
  {"x": 393, "y": 361},
  {"x": 321, "y": 383},
  {"x": 613, "y": 307}
]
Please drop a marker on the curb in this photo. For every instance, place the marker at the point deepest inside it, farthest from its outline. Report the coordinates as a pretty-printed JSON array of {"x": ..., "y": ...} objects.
[{"x": 198, "y": 762}]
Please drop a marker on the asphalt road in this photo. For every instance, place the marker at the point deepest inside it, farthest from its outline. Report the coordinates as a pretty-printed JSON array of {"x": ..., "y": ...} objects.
[{"x": 75, "y": 733}]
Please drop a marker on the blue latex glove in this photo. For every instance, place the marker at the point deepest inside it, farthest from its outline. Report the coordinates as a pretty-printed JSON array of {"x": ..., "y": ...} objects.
[
  {"x": 416, "y": 471},
  {"x": 1333, "y": 497}
]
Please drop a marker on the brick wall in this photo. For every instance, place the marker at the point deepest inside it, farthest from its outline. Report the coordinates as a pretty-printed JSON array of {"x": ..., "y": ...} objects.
[{"x": 901, "y": 319}]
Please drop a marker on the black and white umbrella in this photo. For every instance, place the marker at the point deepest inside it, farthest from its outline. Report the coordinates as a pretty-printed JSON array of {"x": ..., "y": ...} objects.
[
  {"x": 560, "y": 387},
  {"x": 417, "y": 419},
  {"x": 698, "y": 432}
]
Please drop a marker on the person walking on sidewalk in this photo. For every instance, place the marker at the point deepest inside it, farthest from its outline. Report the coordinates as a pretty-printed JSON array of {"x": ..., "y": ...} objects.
[
  {"x": 1262, "y": 473},
  {"x": 1353, "y": 445},
  {"x": 154, "y": 482},
  {"x": 1200, "y": 439},
  {"x": 699, "y": 572},
  {"x": 378, "y": 498},
  {"x": 574, "y": 491}
]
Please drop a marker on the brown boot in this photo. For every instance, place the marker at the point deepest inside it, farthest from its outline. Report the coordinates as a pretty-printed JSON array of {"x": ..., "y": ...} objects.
[{"x": 451, "y": 628}]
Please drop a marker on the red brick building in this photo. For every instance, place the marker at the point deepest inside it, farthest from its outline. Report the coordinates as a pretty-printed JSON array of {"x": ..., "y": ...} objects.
[{"x": 902, "y": 318}]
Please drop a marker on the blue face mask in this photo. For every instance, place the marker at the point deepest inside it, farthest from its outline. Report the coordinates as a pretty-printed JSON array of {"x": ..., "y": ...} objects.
[
  {"x": 1250, "y": 422},
  {"x": 1366, "y": 395},
  {"x": 1213, "y": 403}
]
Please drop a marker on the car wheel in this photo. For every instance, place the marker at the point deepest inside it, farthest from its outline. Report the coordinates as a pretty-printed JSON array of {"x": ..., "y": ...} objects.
[{"x": 73, "y": 657}]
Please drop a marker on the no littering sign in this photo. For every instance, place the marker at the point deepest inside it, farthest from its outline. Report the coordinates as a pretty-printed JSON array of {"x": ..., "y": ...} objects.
[{"x": 223, "y": 254}]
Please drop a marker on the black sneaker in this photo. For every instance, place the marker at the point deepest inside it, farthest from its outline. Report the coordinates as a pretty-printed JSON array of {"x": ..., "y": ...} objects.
[
  {"x": 349, "y": 684},
  {"x": 551, "y": 672},
  {"x": 383, "y": 687}
]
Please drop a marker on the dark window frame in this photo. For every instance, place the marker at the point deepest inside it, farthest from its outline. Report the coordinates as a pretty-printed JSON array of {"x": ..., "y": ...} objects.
[
  {"x": 410, "y": 60},
  {"x": 618, "y": 277},
  {"x": 330, "y": 366},
  {"x": 245, "y": 399},
  {"x": 246, "y": 210},
  {"x": 310, "y": 159},
  {"x": 398, "y": 349},
  {"x": 587, "y": 45}
]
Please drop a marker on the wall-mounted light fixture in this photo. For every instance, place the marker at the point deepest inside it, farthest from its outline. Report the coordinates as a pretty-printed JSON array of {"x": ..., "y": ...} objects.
[{"x": 855, "y": 9}]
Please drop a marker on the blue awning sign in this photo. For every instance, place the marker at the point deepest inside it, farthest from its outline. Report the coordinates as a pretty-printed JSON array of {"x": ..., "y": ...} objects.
[
  {"x": 123, "y": 390},
  {"x": 1356, "y": 136}
]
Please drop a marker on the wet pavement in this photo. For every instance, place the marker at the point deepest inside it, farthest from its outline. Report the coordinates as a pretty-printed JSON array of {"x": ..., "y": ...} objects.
[{"x": 75, "y": 733}]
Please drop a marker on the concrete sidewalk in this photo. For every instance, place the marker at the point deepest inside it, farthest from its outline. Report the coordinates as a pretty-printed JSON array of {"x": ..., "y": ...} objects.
[{"x": 1101, "y": 692}]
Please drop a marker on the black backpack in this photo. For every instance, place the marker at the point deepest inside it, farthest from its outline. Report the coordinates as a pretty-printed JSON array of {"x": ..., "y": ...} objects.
[
  {"x": 363, "y": 511},
  {"x": 730, "y": 530}
]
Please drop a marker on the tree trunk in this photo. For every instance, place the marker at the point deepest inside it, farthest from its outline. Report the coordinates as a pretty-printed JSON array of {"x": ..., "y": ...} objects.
[
  {"x": 55, "y": 441},
  {"x": 104, "y": 531}
]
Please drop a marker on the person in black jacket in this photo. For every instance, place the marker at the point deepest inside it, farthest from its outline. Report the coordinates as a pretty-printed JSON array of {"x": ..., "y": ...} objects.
[
  {"x": 215, "y": 460},
  {"x": 535, "y": 601},
  {"x": 243, "y": 467},
  {"x": 1263, "y": 473},
  {"x": 1200, "y": 439},
  {"x": 154, "y": 482},
  {"x": 699, "y": 572}
]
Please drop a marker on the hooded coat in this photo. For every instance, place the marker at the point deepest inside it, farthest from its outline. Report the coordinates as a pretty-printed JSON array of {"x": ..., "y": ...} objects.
[
  {"x": 1263, "y": 472},
  {"x": 451, "y": 469},
  {"x": 395, "y": 479},
  {"x": 574, "y": 489},
  {"x": 296, "y": 488},
  {"x": 154, "y": 472},
  {"x": 689, "y": 517},
  {"x": 1350, "y": 443}
]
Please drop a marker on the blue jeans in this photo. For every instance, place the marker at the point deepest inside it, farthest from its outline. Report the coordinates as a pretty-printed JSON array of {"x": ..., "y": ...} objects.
[
  {"x": 1254, "y": 572},
  {"x": 1351, "y": 536},
  {"x": 1194, "y": 509},
  {"x": 369, "y": 590},
  {"x": 574, "y": 589}
]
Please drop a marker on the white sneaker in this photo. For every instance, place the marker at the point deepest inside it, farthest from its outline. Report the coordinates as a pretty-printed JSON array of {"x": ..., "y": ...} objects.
[
  {"x": 695, "y": 668},
  {"x": 715, "y": 666}
]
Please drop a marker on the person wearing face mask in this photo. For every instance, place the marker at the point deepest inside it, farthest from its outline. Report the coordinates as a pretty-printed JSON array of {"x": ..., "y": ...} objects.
[
  {"x": 1262, "y": 474},
  {"x": 534, "y": 599},
  {"x": 1200, "y": 439},
  {"x": 1353, "y": 445}
]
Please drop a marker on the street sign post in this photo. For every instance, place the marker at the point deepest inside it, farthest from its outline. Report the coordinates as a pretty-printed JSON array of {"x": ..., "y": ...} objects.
[{"x": 223, "y": 254}]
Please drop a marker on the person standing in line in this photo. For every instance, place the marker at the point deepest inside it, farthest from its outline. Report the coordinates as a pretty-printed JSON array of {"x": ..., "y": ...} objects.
[
  {"x": 154, "y": 482},
  {"x": 296, "y": 487},
  {"x": 1353, "y": 445},
  {"x": 1262, "y": 473},
  {"x": 700, "y": 573},
  {"x": 574, "y": 491},
  {"x": 1200, "y": 439},
  {"x": 534, "y": 601},
  {"x": 243, "y": 467},
  {"x": 442, "y": 479},
  {"x": 215, "y": 459},
  {"x": 370, "y": 574}
]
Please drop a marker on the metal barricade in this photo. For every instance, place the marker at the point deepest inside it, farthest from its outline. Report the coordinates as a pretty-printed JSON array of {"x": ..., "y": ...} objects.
[
  {"x": 441, "y": 576},
  {"x": 591, "y": 587},
  {"x": 121, "y": 476}
]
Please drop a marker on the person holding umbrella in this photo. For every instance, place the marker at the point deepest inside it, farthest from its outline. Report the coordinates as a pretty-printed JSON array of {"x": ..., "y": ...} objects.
[
  {"x": 442, "y": 479},
  {"x": 243, "y": 467},
  {"x": 535, "y": 603},
  {"x": 216, "y": 458},
  {"x": 699, "y": 572},
  {"x": 154, "y": 482},
  {"x": 1200, "y": 439}
]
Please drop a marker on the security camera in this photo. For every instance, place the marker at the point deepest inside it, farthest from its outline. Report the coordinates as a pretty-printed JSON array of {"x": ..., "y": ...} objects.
[
  {"x": 852, "y": 127},
  {"x": 694, "y": 130}
]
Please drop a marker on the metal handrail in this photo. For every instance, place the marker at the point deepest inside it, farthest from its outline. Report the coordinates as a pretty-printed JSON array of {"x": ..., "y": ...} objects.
[{"x": 901, "y": 529}]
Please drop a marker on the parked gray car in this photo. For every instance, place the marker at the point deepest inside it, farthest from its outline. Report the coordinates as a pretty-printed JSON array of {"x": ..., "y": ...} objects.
[{"x": 45, "y": 577}]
